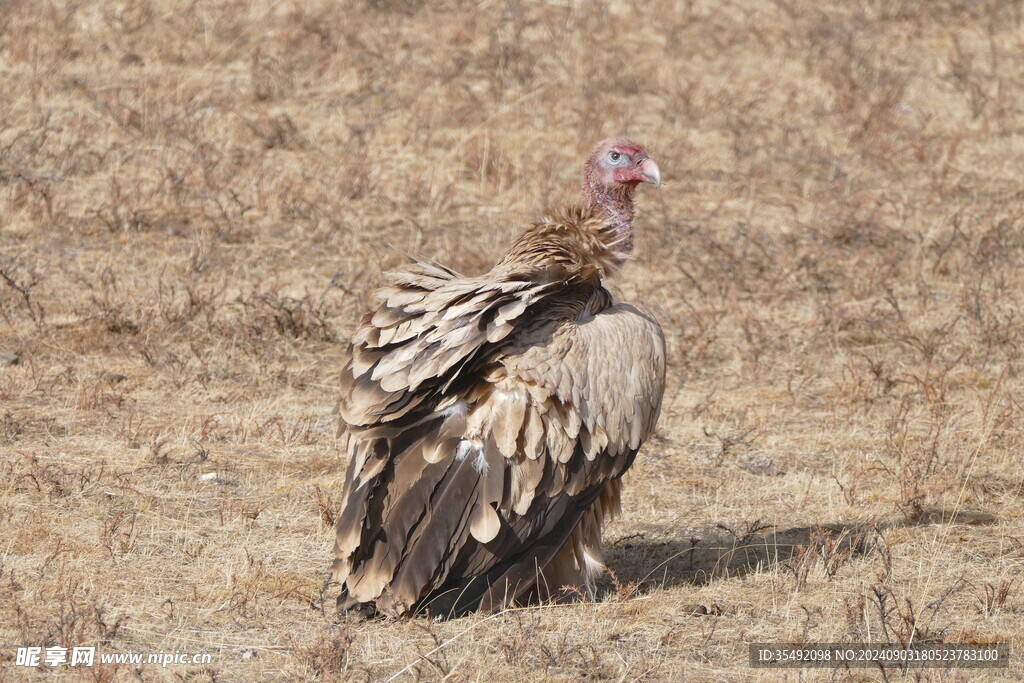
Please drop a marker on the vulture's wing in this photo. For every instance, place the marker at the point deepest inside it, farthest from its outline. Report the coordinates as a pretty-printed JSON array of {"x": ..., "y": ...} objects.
[
  {"x": 429, "y": 327},
  {"x": 485, "y": 420}
]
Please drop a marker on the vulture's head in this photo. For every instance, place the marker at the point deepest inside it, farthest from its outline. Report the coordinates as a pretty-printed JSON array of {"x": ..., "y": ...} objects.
[{"x": 616, "y": 167}]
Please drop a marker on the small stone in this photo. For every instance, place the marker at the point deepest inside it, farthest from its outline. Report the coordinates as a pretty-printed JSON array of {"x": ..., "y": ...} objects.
[{"x": 698, "y": 610}]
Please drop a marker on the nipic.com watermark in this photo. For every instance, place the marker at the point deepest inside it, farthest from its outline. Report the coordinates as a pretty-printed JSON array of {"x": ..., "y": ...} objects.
[{"x": 87, "y": 656}]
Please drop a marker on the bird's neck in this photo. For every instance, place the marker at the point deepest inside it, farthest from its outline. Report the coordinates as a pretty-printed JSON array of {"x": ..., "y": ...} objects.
[{"x": 617, "y": 204}]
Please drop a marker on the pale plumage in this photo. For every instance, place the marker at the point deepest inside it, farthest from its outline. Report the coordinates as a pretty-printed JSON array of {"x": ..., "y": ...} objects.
[{"x": 489, "y": 419}]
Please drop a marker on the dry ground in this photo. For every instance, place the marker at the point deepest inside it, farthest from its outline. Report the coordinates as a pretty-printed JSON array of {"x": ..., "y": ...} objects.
[{"x": 197, "y": 200}]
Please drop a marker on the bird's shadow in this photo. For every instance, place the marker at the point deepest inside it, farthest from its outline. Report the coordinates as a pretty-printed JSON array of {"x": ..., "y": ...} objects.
[{"x": 638, "y": 563}]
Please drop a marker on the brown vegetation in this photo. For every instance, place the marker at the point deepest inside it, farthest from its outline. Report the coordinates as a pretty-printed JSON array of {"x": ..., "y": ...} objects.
[{"x": 196, "y": 204}]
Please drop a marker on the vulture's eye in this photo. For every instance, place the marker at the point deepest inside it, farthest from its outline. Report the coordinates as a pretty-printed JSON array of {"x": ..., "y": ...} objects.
[{"x": 614, "y": 156}]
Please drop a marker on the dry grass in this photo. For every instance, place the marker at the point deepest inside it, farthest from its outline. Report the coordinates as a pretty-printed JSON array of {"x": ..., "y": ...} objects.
[{"x": 197, "y": 200}]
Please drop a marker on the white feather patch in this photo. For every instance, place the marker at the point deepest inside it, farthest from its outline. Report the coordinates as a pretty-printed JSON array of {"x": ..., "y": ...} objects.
[{"x": 467, "y": 447}]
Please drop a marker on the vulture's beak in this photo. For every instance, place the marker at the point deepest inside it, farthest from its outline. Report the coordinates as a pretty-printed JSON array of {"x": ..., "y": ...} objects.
[{"x": 650, "y": 172}]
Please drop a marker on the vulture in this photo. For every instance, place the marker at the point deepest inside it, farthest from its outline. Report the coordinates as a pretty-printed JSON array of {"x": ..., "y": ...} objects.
[{"x": 489, "y": 419}]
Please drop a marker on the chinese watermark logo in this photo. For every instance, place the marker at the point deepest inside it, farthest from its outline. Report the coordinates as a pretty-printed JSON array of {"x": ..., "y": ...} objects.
[{"x": 52, "y": 656}]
